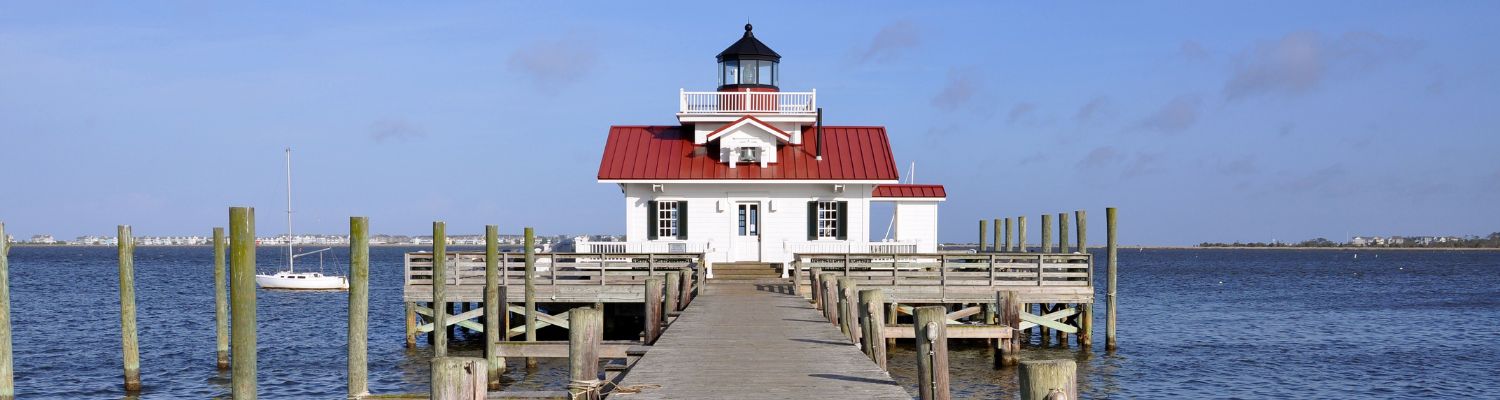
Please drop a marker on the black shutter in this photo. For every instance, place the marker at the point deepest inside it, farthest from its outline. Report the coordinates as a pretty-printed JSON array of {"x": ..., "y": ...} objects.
[
  {"x": 682, "y": 212},
  {"x": 843, "y": 220},
  {"x": 812, "y": 220},
  {"x": 651, "y": 219}
]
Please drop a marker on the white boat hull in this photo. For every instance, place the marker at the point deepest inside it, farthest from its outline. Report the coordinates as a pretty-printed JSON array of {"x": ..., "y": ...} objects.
[{"x": 301, "y": 281}]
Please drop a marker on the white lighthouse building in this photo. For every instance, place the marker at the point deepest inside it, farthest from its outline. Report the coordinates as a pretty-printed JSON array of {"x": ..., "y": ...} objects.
[{"x": 751, "y": 175}]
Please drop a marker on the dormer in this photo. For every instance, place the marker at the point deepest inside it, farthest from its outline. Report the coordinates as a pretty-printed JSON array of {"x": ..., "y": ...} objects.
[
  {"x": 749, "y": 75},
  {"x": 748, "y": 141}
]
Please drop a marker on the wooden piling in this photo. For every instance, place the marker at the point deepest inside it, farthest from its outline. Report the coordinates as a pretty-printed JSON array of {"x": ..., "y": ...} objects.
[
  {"x": 995, "y": 241},
  {"x": 585, "y": 330},
  {"x": 1044, "y": 334},
  {"x": 849, "y": 295},
  {"x": 242, "y": 302},
  {"x": 684, "y": 290},
  {"x": 1062, "y": 233},
  {"x": 654, "y": 316},
  {"x": 458, "y": 378},
  {"x": 932, "y": 352},
  {"x": 1007, "y": 236},
  {"x": 814, "y": 287},
  {"x": 825, "y": 280},
  {"x": 1046, "y": 233},
  {"x": 411, "y": 325},
  {"x": 891, "y": 315},
  {"x": 1081, "y": 219},
  {"x": 1049, "y": 380},
  {"x": 221, "y": 300},
  {"x": 674, "y": 288},
  {"x": 1109, "y": 294},
  {"x": 359, "y": 305},
  {"x": 872, "y": 324},
  {"x": 1021, "y": 234},
  {"x": 1086, "y": 326},
  {"x": 845, "y": 308},
  {"x": 440, "y": 309},
  {"x": 7, "y": 368},
  {"x": 495, "y": 307},
  {"x": 1010, "y": 305},
  {"x": 128, "y": 340},
  {"x": 530, "y": 243},
  {"x": 983, "y": 231}
]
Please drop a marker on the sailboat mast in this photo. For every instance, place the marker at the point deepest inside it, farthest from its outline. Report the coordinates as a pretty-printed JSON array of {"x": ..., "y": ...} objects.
[{"x": 291, "y": 258}]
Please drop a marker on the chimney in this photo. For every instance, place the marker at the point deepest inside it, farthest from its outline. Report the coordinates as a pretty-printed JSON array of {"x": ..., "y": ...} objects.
[{"x": 820, "y": 134}]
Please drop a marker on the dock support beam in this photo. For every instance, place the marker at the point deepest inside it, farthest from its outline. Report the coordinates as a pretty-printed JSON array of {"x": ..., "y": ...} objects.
[
  {"x": 440, "y": 307},
  {"x": 1007, "y": 236},
  {"x": 458, "y": 378},
  {"x": 495, "y": 307},
  {"x": 1062, "y": 233},
  {"x": 1049, "y": 379},
  {"x": 1083, "y": 231},
  {"x": 983, "y": 231},
  {"x": 872, "y": 324},
  {"x": 1046, "y": 233},
  {"x": 128, "y": 340},
  {"x": 530, "y": 243},
  {"x": 674, "y": 290},
  {"x": 585, "y": 327},
  {"x": 931, "y": 324},
  {"x": 1021, "y": 234},
  {"x": 7, "y": 371},
  {"x": 654, "y": 315},
  {"x": 813, "y": 287},
  {"x": 995, "y": 246},
  {"x": 221, "y": 301},
  {"x": 1010, "y": 305},
  {"x": 1109, "y": 294},
  {"x": 359, "y": 306},
  {"x": 242, "y": 301}
]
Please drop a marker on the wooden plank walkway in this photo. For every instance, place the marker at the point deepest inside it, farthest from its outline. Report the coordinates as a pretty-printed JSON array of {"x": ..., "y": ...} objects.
[{"x": 743, "y": 341}]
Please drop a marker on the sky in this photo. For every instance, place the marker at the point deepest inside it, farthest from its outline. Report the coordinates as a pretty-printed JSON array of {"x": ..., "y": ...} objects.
[{"x": 1200, "y": 121}]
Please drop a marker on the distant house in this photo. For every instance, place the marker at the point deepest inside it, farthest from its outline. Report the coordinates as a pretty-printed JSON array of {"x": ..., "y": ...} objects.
[{"x": 750, "y": 174}]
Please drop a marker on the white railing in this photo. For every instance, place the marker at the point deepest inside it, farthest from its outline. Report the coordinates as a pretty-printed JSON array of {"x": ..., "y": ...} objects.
[
  {"x": 849, "y": 247},
  {"x": 802, "y": 103},
  {"x": 642, "y": 247}
]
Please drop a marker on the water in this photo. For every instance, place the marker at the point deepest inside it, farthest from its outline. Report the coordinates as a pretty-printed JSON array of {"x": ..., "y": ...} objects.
[{"x": 1193, "y": 324}]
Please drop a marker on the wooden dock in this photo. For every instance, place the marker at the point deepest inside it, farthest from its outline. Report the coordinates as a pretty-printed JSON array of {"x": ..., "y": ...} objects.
[{"x": 745, "y": 340}]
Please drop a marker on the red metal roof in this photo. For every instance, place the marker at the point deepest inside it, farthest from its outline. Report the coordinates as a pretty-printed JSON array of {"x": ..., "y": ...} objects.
[
  {"x": 668, "y": 153},
  {"x": 926, "y": 191}
]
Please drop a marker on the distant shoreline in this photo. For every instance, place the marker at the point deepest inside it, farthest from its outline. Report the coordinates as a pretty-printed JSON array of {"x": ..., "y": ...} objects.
[{"x": 1283, "y": 248}]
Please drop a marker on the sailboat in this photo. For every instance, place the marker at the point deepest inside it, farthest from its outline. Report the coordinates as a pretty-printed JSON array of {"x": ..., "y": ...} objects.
[{"x": 290, "y": 278}]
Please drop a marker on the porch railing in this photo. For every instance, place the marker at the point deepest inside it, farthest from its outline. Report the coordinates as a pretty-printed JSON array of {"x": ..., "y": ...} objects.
[{"x": 799, "y": 103}]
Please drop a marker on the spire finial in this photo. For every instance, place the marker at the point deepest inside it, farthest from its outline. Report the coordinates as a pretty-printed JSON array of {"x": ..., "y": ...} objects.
[{"x": 748, "y": 27}]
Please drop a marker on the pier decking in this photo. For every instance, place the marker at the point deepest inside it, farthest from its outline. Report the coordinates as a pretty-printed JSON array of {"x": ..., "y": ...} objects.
[{"x": 751, "y": 341}]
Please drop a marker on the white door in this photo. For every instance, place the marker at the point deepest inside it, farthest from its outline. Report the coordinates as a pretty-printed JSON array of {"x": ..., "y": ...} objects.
[{"x": 747, "y": 232}]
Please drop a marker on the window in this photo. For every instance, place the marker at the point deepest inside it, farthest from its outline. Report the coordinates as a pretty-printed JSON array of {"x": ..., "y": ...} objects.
[
  {"x": 666, "y": 219},
  {"x": 747, "y": 71},
  {"x": 748, "y": 154},
  {"x": 749, "y": 219},
  {"x": 731, "y": 73},
  {"x": 828, "y": 219},
  {"x": 764, "y": 72}
]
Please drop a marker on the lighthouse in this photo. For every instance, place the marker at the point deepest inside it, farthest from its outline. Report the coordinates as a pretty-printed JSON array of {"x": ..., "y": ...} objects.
[{"x": 751, "y": 174}]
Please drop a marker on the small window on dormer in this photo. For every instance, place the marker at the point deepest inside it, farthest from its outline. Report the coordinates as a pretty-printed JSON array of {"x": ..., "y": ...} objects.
[{"x": 749, "y": 154}]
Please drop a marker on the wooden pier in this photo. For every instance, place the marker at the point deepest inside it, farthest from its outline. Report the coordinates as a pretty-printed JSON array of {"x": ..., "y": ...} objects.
[{"x": 744, "y": 341}]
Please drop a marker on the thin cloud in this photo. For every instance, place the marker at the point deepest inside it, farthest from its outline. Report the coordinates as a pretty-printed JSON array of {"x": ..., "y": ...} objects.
[
  {"x": 1193, "y": 50},
  {"x": 1143, "y": 164},
  {"x": 1238, "y": 167},
  {"x": 1098, "y": 107},
  {"x": 959, "y": 90},
  {"x": 891, "y": 41},
  {"x": 1301, "y": 61},
  {"x": 555, "y": 61},
  {"x": 396, "y": 130},
  {"x": 1177, "y": 115},
  {"x": 1099, "y": 157},
  {"x": 1020, "y": 111}
]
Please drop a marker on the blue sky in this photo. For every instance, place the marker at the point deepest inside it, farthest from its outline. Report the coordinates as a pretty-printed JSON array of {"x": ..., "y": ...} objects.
[{"x": 1202, "y": 121}]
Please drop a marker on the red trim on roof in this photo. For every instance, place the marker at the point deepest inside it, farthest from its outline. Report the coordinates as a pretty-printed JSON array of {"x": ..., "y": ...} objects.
[
  {"x": 907, "y": 190},
  {"x": 668, "y": 153},
  {"x": 785, "y": 137}
]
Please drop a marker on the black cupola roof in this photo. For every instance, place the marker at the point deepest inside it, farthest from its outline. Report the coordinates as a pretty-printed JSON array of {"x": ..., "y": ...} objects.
[{"x": 749, "y": 48}]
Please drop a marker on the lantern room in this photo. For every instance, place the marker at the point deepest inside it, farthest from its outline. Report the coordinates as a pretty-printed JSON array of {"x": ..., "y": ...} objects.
[{"x": 749, "y": 65}]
